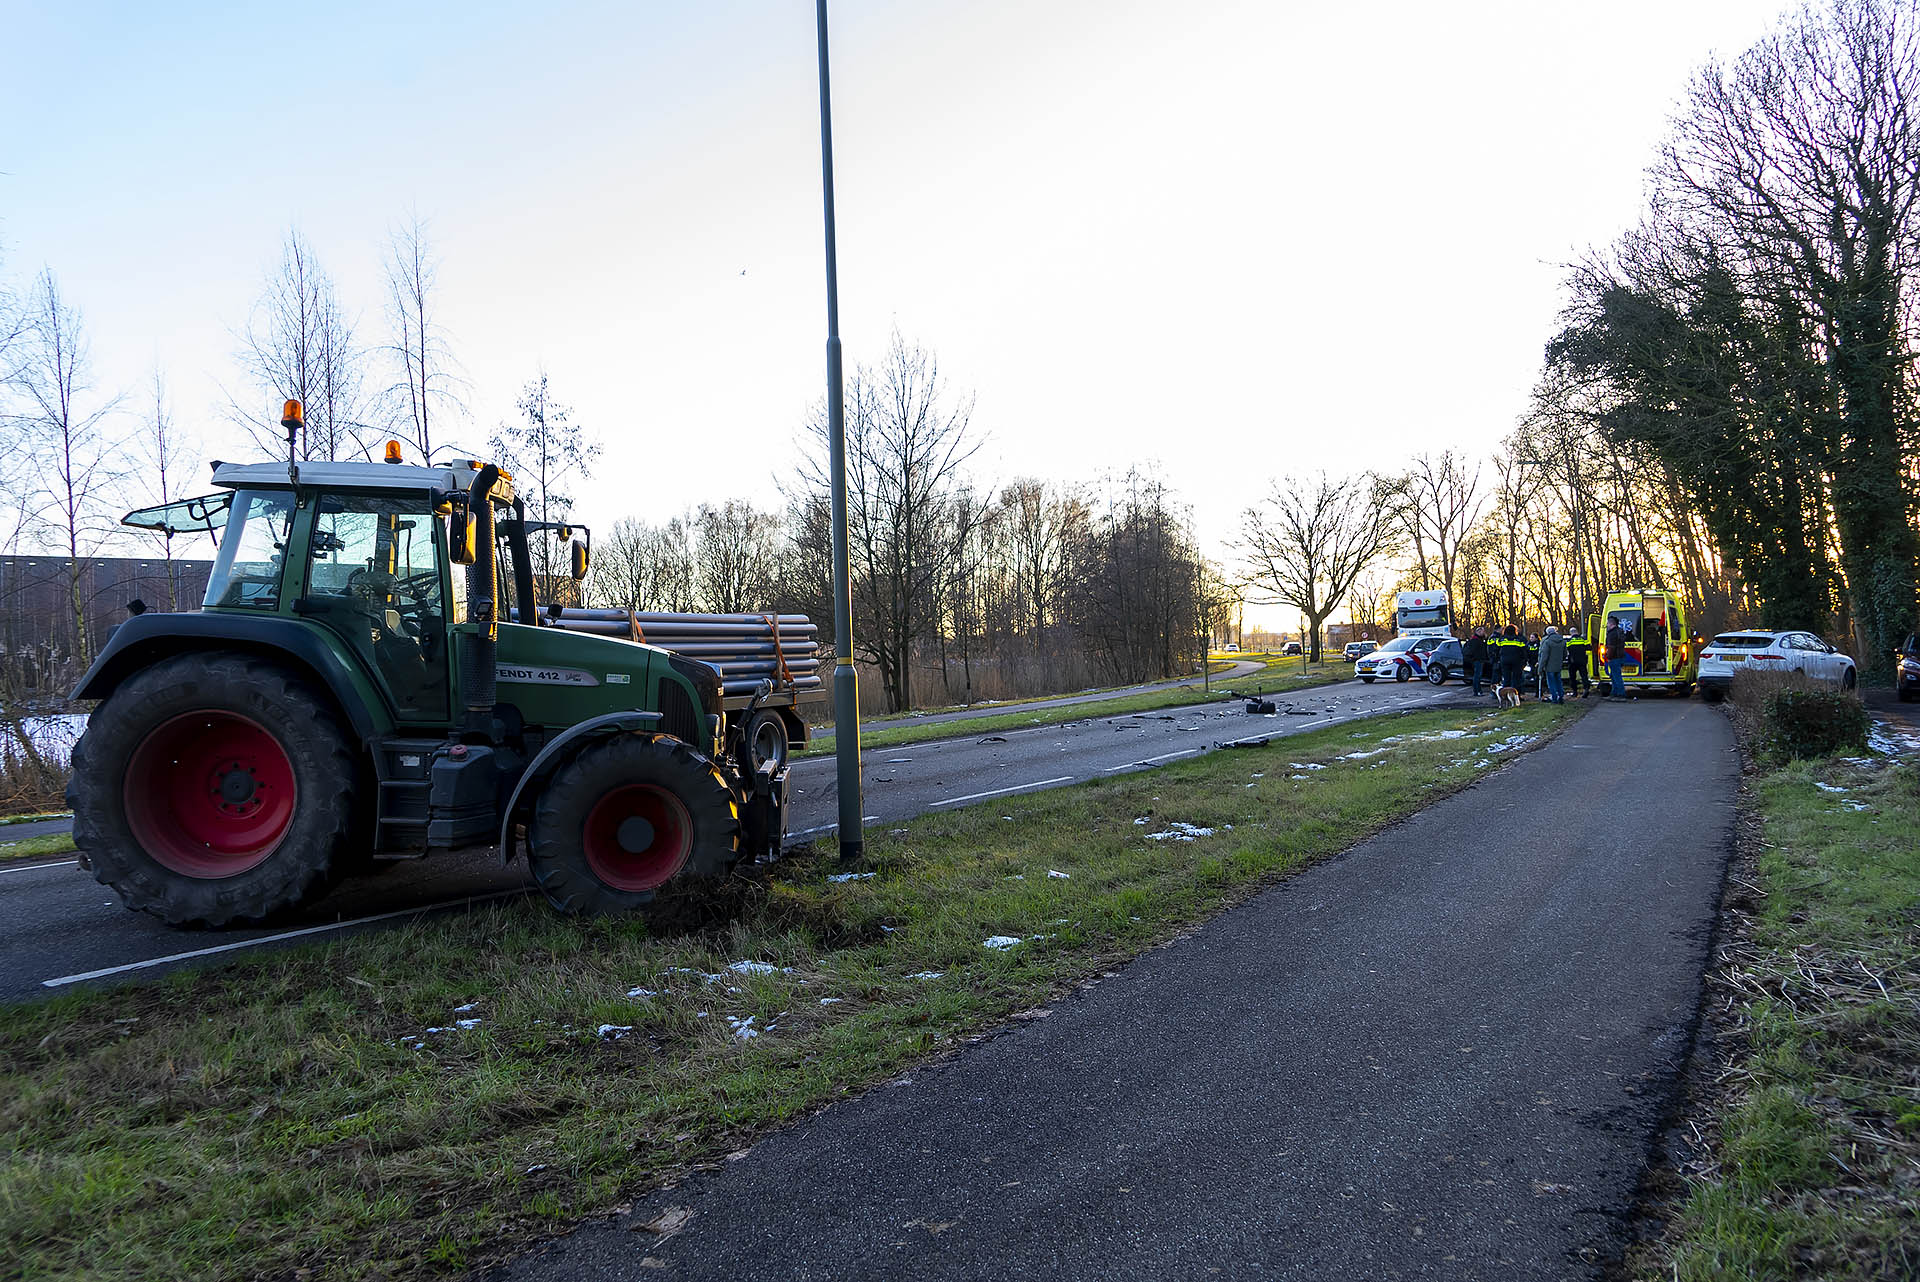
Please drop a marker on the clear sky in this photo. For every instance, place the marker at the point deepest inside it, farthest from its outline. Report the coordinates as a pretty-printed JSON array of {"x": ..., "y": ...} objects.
[{"x": 1225, "y": 240}]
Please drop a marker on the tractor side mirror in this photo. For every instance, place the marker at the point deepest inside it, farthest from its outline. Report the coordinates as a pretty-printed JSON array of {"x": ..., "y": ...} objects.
[
  {"x": 579, "y": 551},
  {"x": 461, "y": 545}
]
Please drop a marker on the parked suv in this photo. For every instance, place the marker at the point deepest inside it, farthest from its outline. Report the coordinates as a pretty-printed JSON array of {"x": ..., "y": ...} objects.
[
  {"x": 1756, "y": 651},
  {"x": 1357, "y": 648}
]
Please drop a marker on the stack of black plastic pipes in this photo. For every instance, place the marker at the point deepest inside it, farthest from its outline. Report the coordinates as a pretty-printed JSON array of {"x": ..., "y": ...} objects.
[{"x": 746, "y": 648}]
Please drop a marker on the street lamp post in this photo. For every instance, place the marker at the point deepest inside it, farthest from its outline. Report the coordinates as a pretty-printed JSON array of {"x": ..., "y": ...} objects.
[{"x": 846, "y": 690}]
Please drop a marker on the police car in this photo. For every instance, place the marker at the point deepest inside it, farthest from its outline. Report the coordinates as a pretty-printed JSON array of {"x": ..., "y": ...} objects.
[{"x": 1401, "y": 659}]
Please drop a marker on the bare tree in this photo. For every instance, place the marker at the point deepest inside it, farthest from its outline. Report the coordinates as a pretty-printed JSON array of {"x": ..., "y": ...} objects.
[
  {"x": 299, "y": 345},
  {"x": 65, "y": 426},
  {"x": 1039, "y": 522},
  {"x": 1308, "y": 542},
  {"x": 739, "y": 550},
  {"x": 907, "y": 440},
  {"x": 638, "y": 566},
  {"x": 168, "y": 459},
  {"x": 1436, "y": 504},
  {"x": 1366, "y": 602},
  {"x": 547, "y": 451},
  {"x": 427, "y": 393}
]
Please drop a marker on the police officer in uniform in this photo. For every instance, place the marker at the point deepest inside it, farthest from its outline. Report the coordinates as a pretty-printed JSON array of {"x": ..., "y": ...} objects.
[{"x": 1579, "y": 684}]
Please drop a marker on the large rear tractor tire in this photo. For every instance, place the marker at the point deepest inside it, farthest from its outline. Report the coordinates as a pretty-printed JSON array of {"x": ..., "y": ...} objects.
[
  {"x": 212, "y": 790},
  {"x": 627, "y": 816}
]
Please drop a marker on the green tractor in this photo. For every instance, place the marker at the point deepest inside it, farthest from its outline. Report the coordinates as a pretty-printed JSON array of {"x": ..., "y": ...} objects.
[{"x": 338, "y": 705}]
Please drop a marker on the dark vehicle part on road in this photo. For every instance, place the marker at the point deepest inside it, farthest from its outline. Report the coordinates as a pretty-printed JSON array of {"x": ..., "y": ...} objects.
[
  {"x": 337, "y": 704},
  {"x": 1445, "y": 660}
]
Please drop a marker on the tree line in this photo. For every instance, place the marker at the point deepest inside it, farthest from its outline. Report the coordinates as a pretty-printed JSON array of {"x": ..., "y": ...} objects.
[
  {"x": 960, "y": 590},
  {"x": 1748, "y": 348}
]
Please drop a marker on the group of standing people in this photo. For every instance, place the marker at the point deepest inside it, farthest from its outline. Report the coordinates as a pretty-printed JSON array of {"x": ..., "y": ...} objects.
[{"x": 1502, "y": 660}]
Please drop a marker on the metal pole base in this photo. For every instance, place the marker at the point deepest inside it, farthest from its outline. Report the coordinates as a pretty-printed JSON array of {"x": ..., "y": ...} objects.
[{"x": 846, "y": 751}]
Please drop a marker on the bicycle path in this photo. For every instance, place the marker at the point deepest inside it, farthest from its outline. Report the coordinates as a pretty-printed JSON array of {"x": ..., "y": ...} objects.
[{"x": 1443, "y": 1054}]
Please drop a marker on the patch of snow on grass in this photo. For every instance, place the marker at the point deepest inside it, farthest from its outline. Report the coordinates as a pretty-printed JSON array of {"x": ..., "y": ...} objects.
[
  {"x": 848, "y": 876},
  {"x": 1179, "y": 831},
  {"x": 613, "y": 1032},
  {"x": 641, "y": 992},
  {"x": 926, "y": 974},
  {"x": 1001, "y": 941},
  {"x": 1884, "y": 739},
  {"x": 743, "y": 1028},
  {"x": 758, "y": 968}
]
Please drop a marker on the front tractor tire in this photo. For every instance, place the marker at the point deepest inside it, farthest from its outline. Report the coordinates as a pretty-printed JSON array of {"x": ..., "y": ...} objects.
[
  {"x": 627, "y": 816},
  {"x": 213, "y": 790}
]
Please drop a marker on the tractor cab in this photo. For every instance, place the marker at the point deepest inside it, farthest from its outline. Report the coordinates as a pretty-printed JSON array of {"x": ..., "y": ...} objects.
[{"x": 363, "y": 550}]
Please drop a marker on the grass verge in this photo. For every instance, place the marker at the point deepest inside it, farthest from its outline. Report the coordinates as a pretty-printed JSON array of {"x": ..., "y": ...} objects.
[
  {"x": 54, "y": 843},
  {"x": 1280, "y": 677},
  {"x": 1806, "y": 1161},
  {"x": 7, "y": 820},
  {"x": 417, "y": 1101}
]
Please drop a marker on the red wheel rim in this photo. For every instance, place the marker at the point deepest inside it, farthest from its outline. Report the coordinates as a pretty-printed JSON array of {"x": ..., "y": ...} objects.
[
  {"x": 209, "y": 794},
  {"x": 637, "y": 837}
]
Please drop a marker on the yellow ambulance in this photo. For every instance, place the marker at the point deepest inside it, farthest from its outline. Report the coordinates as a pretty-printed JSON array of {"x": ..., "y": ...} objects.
[{"x": 1661, "y": 653}]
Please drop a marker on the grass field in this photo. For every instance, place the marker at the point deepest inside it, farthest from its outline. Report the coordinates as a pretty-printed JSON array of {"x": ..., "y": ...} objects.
[
  {"x": 51, "y": 845},
  {"x": 1811, "y": 1162},
  {"x": 413, "y": 1102}
]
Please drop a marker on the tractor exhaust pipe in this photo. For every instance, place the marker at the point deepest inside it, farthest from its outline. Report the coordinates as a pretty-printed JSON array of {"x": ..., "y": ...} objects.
[{"x": 477, "y": 674}]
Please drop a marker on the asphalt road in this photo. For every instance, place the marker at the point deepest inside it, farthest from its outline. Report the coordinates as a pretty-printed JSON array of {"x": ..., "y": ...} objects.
[
  {"x": 1240, "y": 668},
  {"x": 59, "y": 927},
  {"x": 1441, "y": 1055}
]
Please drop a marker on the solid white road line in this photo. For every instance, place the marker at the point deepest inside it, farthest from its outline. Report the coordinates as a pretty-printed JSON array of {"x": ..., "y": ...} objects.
[
  {"x": 64, "y": 863},
  {"x": 268, "y": 939},
  {"x": 995, "y": 792},
  {"x": 1149, "y": 761}
]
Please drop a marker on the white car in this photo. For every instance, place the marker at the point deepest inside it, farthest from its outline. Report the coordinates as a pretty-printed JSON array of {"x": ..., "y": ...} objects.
[
  {"x": 1757, "y": 651},
  {"x": 1401, "y": 659}
]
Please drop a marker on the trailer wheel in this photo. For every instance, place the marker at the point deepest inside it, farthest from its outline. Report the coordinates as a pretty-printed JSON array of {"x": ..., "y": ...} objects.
[
  {"x": 627, "y": 816},
  {"x": 763, "y": 740},
  {"x": 212, "y": 790}
]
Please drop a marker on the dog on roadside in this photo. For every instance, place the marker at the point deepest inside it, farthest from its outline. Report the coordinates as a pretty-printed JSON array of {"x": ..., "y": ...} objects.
[{"x": 1509, "y": 696}]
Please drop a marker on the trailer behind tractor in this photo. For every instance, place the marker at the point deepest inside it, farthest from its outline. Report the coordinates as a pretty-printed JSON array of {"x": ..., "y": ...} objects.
[{"x": 338, "y": 704}]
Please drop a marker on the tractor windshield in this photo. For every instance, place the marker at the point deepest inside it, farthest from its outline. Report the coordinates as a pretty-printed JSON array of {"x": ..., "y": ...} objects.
[{"x": 246, "y": 574}]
